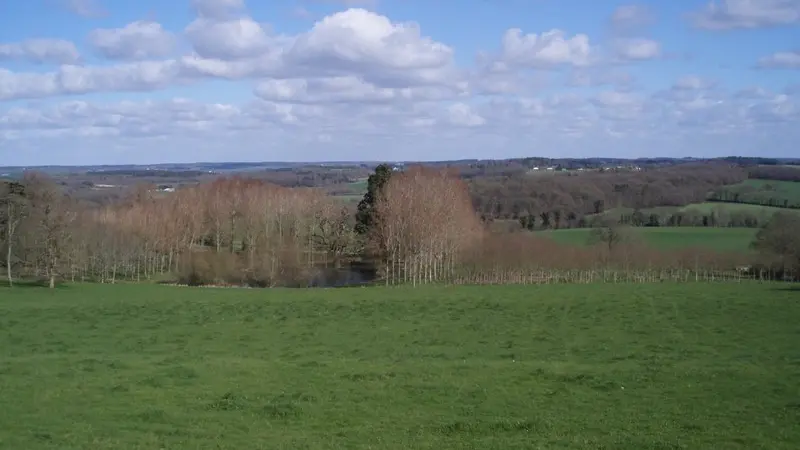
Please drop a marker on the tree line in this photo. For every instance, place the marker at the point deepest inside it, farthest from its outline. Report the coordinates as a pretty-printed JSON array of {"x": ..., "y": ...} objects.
[{"x": 413, "y": 227}]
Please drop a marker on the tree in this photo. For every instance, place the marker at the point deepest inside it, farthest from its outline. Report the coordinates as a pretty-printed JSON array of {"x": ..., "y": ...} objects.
[
  {"x": 366, "y": 213},
  {"x": 609, "y": 233},
  {"x": 426, "y": 220},
  {"x": 13, "y": 210},
  {"x": 51, "y": 217},
  {"x": 779, "y": 239},
  {"x": 334, "y": 234}
]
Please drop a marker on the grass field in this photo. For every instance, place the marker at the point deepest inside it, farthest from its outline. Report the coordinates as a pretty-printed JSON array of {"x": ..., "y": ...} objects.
[
  {"x": 762, "y": 212},
  {"x": 722, "y": 239},
  {"x": 352, "y": 192},
  {"x": 765, "y": 192},
  {"x": 661, "y": 366}
]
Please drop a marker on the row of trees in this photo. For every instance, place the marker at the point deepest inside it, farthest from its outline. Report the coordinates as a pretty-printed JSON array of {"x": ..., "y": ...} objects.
[
  {"x": 716, "y": 217},
  {"x": 417, "y": 226}
]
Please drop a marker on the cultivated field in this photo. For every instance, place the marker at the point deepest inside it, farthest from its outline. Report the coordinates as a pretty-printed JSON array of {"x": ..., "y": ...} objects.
[
  {"x": 656, "y": 366},
  {"x": 670, "y": 238}
]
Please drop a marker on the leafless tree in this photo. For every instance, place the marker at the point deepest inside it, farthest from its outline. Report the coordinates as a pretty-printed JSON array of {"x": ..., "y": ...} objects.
[{"x": 14, "y": 210}]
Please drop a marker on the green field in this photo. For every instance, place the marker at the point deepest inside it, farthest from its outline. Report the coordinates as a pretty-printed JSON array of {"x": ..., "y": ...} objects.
[
  {"x": 352, "y": 192},
  {"x": 784, "y": 194},
  {"x": 659, "y": 366},
  {"x": 670, "y": 238},
  {"x": 762, "y": 212}
]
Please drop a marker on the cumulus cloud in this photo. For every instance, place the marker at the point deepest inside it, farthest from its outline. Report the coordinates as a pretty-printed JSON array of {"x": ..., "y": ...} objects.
[
  {"x": 53, "y": 51},
  {"x": 549, "y": 49},
  {"x": 360, "y": 39},
  {"x": 352, "y": 42},
  {"x": 729, "y": 14},
  {"x": 289, "y": 116},
  {"x": 137, "y": 40},
  {"x": 228, "y": 39},
  {"x": 71, "y": 79},
  {"x": 781, "y": 60},
  {"x": 355, "y": 81}
]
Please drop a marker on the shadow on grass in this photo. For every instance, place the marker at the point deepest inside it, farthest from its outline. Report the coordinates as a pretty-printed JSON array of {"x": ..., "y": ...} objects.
[
  {"x": 794, "y": 287},
  {"x": 29, "y": 284}
]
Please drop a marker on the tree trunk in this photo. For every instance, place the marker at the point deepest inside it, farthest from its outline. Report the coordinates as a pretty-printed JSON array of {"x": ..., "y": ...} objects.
[
  {"x": 52, "y": 280},
  {"x": 8, "y": 265}
]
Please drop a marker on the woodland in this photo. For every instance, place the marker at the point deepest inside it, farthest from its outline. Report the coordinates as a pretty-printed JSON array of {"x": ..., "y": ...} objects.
[{"x": 420, "y": 225}]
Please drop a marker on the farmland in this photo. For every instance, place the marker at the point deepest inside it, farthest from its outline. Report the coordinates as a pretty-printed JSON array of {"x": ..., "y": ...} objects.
[
  {"x": 670, "y": 238},
  {"x": 784, "y": 194},
  {"x": 761, "y": 212},
  {"x": 555, "y": 366}
]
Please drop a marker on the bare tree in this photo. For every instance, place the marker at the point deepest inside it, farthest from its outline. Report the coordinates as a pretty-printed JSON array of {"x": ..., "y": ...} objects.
[
  {"x": 610, "y": 234},
  {"x": 51, "y": 217},
  {"x": 14, "y": 210}
]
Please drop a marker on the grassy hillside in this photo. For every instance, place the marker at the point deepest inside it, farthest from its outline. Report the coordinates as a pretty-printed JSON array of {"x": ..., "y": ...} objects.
[
  {"x": 723, "y": 239},
  {"x": 696, "y": 366},
  {"x": 785, "y": 194}
]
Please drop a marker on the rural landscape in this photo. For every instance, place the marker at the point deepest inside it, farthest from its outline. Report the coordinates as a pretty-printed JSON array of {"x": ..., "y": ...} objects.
[
  {"x": 399, "y": 225},
  {"x": 480, "y": 304}
]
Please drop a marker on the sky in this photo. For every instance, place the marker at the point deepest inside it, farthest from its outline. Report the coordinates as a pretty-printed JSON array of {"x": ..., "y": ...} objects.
[{"x": 151, "y": 81}]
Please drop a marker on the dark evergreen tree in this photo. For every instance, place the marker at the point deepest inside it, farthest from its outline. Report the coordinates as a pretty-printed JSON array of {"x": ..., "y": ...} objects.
[{"x": 365, "y": 216}]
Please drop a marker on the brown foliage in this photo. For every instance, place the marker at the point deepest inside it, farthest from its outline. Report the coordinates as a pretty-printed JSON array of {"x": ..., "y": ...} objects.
[{"x": 425, "y": 222}]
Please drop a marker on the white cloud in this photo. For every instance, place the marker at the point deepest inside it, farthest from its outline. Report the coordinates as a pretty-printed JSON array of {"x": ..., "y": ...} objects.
[
  {"x": 630, "y": 16},
  {"x": 728, "y": 14},
  {"x": 461, "y": 114},
  {"x": 299, "y": 116},
  {"x": 637, "y": 49},
  {"x": 228, "y": 39},
  {"x": 137, "y": 40},
  {"x": 359, "y": 39},
  {"x": 355, "y": 82},
  {"x": 549, "y": 49},
  {"x": 781, "y": 60},
  {"x": 71, "y": 79},
  {"x": 344, "y": 89},
  {"x": 53, "y": 51},
  {"x": 355, "y": 42}
]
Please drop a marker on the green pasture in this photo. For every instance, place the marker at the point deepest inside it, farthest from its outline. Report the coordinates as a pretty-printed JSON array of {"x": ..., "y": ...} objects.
[
  {"x": 615, "y": 366},
  {"x": 670, "y": 238}
]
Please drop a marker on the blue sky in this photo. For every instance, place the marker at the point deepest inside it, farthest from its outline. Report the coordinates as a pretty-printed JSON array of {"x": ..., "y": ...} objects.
[{"x": 117, "y": 81}]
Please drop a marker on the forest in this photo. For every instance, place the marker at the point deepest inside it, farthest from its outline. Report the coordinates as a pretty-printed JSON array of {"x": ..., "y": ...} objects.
[{"x": 418, "y": 226}]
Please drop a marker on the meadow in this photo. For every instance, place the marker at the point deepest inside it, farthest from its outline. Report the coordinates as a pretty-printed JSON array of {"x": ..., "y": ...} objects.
[
  {"x": 762, "y": 212},
  {"x": 670, "y": 238},
  {"x": 614, "y": 366},
  {"x": 785, "y": 194}
]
